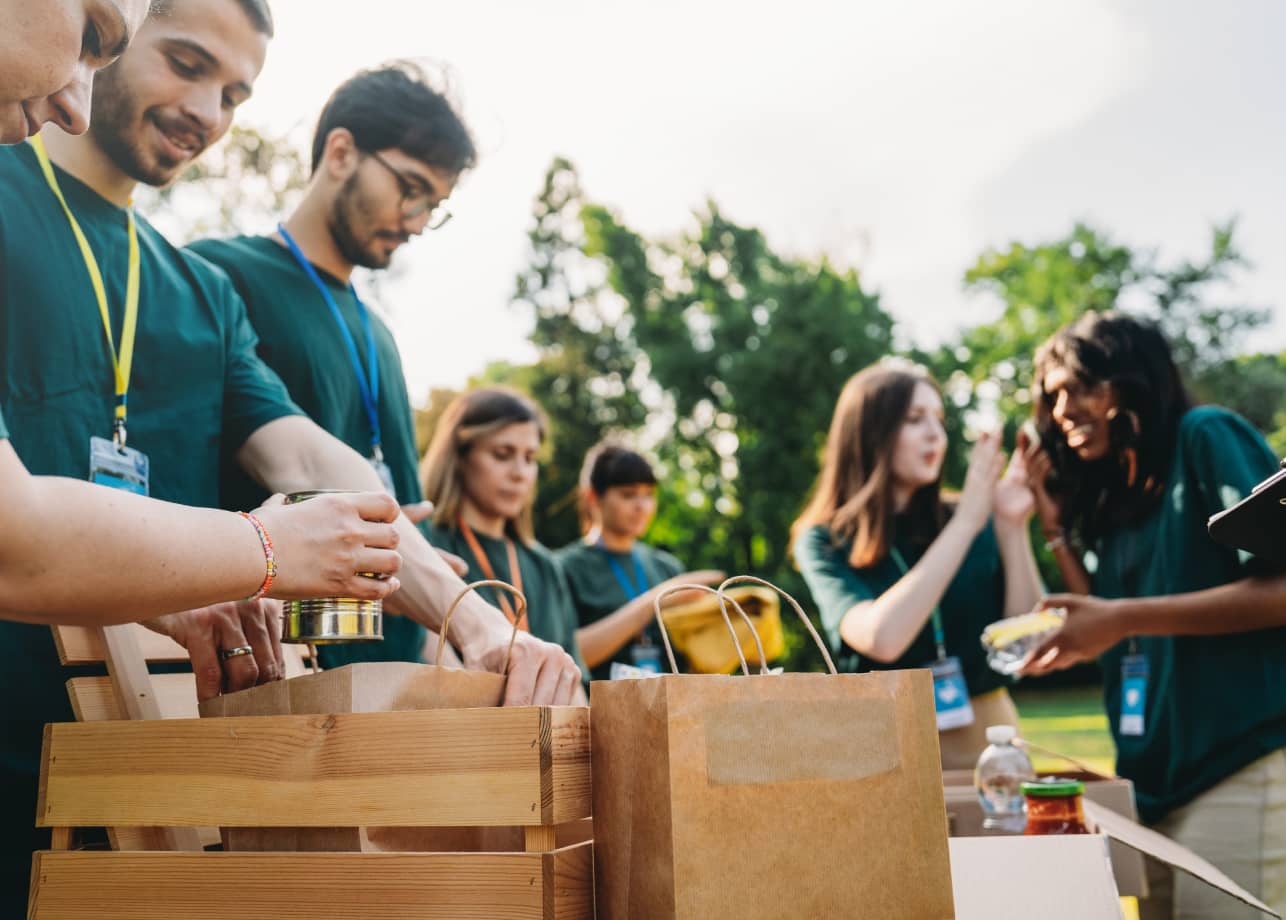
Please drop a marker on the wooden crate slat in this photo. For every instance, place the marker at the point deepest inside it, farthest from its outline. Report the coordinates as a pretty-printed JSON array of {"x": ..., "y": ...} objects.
[
  {"x": 94, "y": 700},
  {"x": 429, "y": 768},
  {"x": 572, "y": 797},
  {"x": 313, "y": 886},
  {"x": 84, "y": 645}
]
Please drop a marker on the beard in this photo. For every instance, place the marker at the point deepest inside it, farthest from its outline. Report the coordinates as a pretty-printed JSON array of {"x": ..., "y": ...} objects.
[
  {"x": 117, "y": 127},
  {"x": 350, "y": 213}
]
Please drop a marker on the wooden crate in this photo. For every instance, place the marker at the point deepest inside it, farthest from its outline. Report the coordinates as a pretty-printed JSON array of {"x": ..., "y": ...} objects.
[{"x": 515, "y": 767}]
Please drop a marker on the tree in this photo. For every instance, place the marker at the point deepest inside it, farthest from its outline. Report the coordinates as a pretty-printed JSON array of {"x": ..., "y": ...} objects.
[{"x": 751, "y": 349}]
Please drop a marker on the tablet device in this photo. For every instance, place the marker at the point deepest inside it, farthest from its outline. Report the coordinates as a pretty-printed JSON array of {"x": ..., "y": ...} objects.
[{"x": 1257, "y": 523}]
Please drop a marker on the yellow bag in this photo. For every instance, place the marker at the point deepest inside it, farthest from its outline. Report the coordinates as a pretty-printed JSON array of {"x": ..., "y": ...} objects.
[{"x": 697, "y": 629}]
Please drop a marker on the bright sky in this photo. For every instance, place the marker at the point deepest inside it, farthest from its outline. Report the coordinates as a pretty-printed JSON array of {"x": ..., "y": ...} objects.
[{"x": 903, "y": 136}]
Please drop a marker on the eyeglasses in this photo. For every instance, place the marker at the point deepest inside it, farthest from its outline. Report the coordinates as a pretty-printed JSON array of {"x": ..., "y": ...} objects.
[{"x": 417, "y": 199}]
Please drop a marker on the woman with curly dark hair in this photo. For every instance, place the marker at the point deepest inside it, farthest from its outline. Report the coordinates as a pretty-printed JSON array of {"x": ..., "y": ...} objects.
[{"x": 1189, "y": 633}]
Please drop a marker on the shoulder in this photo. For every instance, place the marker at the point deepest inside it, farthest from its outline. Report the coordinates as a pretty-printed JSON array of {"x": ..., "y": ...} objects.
[
  {"x": 572, "y": 553},
  {"x": 816, "y": 544},
  {"x": 1205, "y": 423},
  {"x": 223, "y": 252},
  {"x": 665, "y": 560}
]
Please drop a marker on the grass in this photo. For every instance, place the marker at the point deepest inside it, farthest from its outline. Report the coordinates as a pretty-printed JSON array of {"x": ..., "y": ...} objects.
[{"x": 1069, "y": 720}]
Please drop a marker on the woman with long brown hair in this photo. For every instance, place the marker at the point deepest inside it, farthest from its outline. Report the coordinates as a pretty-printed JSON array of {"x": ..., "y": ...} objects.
[
  {"x": 480, "y": 473},
  {"x": 902, "y": 578}
]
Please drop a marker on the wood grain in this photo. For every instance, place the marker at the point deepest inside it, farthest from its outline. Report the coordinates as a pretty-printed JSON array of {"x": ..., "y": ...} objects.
[
  {"x": 94, "y": 700},
  {"x": 314, "y": 886},
  {"x": 84, "y": 644},
  {"x": 572, "y": 796},
  {"x": 409, "y": 769}
]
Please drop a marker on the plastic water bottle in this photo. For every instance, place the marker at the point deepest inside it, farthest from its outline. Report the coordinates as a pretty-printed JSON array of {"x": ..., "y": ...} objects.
[{"x": 1001, "y": 771}]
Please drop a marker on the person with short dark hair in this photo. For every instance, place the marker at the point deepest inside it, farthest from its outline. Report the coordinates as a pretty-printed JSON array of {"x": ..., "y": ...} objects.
[
  {"x": 1190, "y": 634},
  {"x": 613, "y": 574},
  {"x": 387, "y": 152},
  {"x": 903, "y": 578}
]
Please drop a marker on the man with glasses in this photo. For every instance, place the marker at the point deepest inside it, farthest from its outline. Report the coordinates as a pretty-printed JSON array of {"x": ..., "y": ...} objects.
[{"x": 387, "y": 152}]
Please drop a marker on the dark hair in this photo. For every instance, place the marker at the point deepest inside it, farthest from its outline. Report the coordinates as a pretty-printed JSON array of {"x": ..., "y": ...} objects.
[
  {"x": 1132, "y": 356},
  {"x": 853, "y": 495},
  {"x": 257, "y": 11},
  {"x": 608, "y": 464},
  {"x": 395, "y": 107}
]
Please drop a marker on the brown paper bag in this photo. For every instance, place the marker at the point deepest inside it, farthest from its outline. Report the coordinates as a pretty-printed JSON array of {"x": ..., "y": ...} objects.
[{"x": 769, "y": 796}]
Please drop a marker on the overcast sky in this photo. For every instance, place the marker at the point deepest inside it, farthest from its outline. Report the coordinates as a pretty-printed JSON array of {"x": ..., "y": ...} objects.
[{"x": 903, "y": 136}]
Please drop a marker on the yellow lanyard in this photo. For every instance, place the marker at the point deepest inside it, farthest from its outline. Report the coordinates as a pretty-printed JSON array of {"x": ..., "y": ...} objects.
[{"x": 121, "y": 362}]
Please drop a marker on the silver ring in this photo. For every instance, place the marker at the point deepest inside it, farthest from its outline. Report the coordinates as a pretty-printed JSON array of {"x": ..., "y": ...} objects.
[{"x": 237, "y": 652}]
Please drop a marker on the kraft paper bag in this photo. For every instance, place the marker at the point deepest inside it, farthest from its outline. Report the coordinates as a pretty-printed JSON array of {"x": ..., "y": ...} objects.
[{"x": 769, "y": 796}]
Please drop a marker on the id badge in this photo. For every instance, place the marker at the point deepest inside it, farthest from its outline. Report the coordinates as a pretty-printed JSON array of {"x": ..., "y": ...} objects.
[
  {"x": 118, "y": 467},
  {"x": 646, "y": 657},
  {"x": 385, "y": 474},
  {"x": 950, "y": 695},
  {"x": 1134, "y": 694}
]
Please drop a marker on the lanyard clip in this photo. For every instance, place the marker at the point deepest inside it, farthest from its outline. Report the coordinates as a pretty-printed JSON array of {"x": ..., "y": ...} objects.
[{"x": 118, "y": 434}]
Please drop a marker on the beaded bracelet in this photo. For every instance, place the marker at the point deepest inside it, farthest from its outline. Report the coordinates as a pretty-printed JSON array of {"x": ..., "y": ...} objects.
[{"x": 270, "y": 560}]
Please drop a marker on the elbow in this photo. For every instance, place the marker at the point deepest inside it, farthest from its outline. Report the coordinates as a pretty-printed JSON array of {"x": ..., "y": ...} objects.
[{"x": 867, "y": 642}]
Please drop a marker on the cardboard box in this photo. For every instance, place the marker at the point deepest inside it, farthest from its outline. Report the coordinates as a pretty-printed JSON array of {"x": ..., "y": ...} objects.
[
  {"x": 964, "y": 814},
  {"x": 1065, "y": 878}
]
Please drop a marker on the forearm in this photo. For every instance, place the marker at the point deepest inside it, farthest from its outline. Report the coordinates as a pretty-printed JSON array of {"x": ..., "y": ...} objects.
[
  {"x": 884, "y": 628},
  {"x": 1023, "y": 589},
  {"x": 293, "y": 453},
  {"x": 600, "y": 640},
  {"x": 1241, "y": 606},
  {"x": 79, "y": 554}
]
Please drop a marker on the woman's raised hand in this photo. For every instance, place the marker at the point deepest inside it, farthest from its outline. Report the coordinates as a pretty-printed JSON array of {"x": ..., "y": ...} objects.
[{"x": 978, "y": 497}]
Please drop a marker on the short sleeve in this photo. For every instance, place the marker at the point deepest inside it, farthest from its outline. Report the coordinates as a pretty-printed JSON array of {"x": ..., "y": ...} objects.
[
  {"x": 4, "y": 432},
  {"x": 253, "y": 394},
  {"x": 1227, "y": 457},
  {"x": 834, "y": 584}
]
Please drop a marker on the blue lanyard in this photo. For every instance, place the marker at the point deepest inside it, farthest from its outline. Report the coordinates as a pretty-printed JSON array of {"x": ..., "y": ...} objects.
[
  {"x": 627, "y": 584},
  {"x": 370, "y": 390},
  {"x": 938, "y": 639}
]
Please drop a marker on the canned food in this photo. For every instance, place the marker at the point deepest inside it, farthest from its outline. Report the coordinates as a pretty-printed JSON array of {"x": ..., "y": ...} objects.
[{"x": 331, "y": 620}]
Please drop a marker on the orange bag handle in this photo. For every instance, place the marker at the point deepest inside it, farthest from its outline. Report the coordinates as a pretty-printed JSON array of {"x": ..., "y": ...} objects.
[
  {"x": 808, "y": 624},
  {"x": 723, "y": 611},
  {"x": 485, "y": 583}
]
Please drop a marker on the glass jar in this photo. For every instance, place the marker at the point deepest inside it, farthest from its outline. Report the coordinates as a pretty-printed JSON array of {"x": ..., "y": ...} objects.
[{"x": 1054, "y": 807}]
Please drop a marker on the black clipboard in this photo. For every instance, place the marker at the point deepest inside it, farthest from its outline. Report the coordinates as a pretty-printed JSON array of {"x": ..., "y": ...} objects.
[{"x": 1257, "y": 523}]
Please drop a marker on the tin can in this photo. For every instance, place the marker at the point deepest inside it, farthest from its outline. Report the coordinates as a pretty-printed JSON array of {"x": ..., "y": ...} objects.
[{"x": 331, "y": 620}]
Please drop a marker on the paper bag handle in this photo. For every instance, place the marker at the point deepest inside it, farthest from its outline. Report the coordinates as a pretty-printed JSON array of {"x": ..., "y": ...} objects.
[
  {"x": 486, "y": 583},
  {"x": 808, "y": 624},
  {"x": 723, "y": 611}
]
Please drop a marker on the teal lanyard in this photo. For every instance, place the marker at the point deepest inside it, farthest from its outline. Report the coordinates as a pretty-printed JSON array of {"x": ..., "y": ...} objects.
[{"x": 937, "y": 611}]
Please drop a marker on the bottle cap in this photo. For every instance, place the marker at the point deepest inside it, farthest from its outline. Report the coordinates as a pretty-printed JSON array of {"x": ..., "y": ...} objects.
[
  {"x": 1054, "y": 788},
  {"x": 1001, "y": 734}
]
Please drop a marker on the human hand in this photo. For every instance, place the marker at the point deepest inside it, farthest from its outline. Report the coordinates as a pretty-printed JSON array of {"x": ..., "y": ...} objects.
[
  {"x": 322, "y": 545},
  {"x": 977, "y": 497},
  {"x": 711, "y": 577},
  {"x": 1014, "y": 501},
  {"x": 208, "y": 633},
  {"x": 1039, "y": 467},
  {"x": 417, "y": 511},
  {"x": 539, "y": 673},
  {"x": 1093, "y": 626}
]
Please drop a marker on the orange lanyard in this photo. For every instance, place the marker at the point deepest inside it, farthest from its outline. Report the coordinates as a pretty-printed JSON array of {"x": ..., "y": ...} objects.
[{"x": 515, "y": 573}]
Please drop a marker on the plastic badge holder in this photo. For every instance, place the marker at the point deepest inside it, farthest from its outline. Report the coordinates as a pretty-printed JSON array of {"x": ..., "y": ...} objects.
[{"x": 1009, "y": 641}]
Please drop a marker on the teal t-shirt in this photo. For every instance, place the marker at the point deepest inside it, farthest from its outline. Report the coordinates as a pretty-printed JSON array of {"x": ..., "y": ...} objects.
[
  {"x": 4, "y": 432},
  {"x": 597, "y": 591},
  {"x": 299, "y": 340},
  {"x": 1214, "y": 704},
  {"x": 550, "y": 612},
  {"x": 197, "y": 390},
  {"x": 974, "y": 598}
]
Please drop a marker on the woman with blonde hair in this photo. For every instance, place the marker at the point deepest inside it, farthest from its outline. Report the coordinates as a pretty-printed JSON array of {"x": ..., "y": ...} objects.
[
  {"x": 480, "y": 473},
  {"x": 904, "y": 578}
]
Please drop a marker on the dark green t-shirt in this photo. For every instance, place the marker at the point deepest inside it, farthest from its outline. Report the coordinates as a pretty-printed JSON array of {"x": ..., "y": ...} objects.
[
  {"x": 974, "y": 598},
  {"x": 550, "y": 614},
  {"x": 197, "y": 389},
  {"x": 299, "y": 340},
  {"x": 4, "y": 432},
  {"x": 1214, "y": 704},
  {"x": 597, "y": 591}
]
